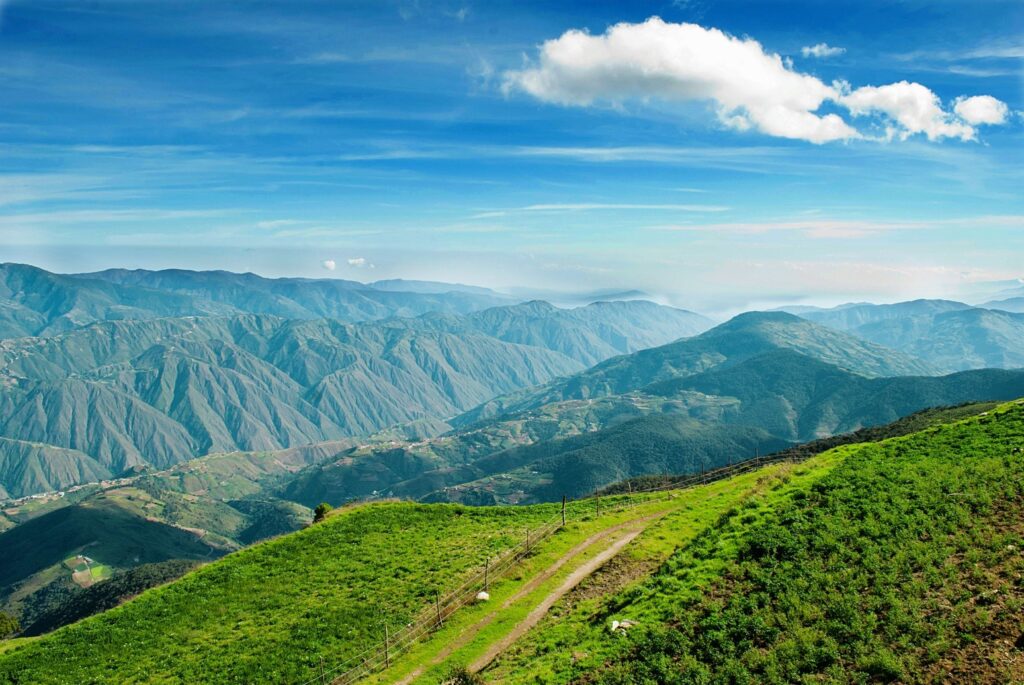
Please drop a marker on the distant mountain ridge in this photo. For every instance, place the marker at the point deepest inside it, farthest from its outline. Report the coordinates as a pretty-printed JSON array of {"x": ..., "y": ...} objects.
[
  {"x": 37, "y": 302},
  {"x": 741, "y": 337},
  {"x": 951, "y": 336},
  {"x": 588, "y": 334}
]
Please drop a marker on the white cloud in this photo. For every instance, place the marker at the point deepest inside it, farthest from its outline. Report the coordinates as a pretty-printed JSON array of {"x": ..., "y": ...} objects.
[
  {"x": 329, "y": 264},
  {"x": 981, "y": 109},
  {"x": 750, "y": 88},
  {"x": 914, "y": 107},
  {"x": 359, "y": 263},
  {"x": 821, "y": 50}
]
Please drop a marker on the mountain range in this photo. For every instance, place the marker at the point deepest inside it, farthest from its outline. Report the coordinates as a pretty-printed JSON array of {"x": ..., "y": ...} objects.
[
  {"x": 759, "y": 382},
  {"x": 110, "y": 396},
  {"x": 950, "y": 336},
  {"x": 37, "y": 302}
]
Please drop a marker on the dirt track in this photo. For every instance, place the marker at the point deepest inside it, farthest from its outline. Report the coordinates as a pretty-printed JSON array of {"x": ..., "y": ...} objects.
[{"x": 633, "y": 527}]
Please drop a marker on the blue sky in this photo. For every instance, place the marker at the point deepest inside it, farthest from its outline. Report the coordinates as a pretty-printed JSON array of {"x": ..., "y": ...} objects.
[{"x": 729, "y": 154}]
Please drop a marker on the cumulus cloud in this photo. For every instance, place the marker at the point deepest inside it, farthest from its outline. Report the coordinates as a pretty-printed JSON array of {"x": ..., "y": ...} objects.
[
  {"x": 329, "y": 264},
  {"x": 915, "y": 109},
  {"x": 749, "y": 87},
  {"x": 359, "y": 263},
  {"x": 752, "y": 88},
  {"x": 821, "y": 50},
  {"x": 981, "y": 109}
]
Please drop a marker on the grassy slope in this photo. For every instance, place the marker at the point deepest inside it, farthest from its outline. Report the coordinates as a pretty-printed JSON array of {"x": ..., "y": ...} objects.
[
  {"x": 690, "y": 513},
  {"x": 902, "y": 564},
  {"x": 267, "y": 613}
]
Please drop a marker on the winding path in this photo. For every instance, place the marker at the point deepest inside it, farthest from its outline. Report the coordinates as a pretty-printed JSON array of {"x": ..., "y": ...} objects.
[{"x": 631, "y": 528}]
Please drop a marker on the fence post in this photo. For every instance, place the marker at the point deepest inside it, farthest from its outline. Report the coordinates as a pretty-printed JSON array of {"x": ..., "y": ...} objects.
[
  {"x": 598, "y": 499},
  {"x": 323, "y": 677},
  {"x": 563, "y": 510},
  {"x": 437, "y": 604},
  {"x": 387, "y": 647}
]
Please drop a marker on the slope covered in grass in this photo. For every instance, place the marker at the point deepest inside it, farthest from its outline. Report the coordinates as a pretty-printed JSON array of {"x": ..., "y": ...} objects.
[
  {"x": 902, "y": 564},
  {"x": 267, "y": 613}
]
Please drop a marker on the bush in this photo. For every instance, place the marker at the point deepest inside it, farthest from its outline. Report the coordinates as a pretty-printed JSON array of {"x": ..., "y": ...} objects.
[
  {"x": 8, "y": 625},
  {"x": 321, "y": 511}
]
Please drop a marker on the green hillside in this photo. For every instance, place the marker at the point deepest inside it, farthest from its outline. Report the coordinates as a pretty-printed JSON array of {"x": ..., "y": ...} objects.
[
  {"x": 745, "y": 336},
  {"x": 900, "y": 565},
  {"x": 872, "y": 562},
  {"x": 267, "y": 614},
  {"x": 681, "y": 425}
]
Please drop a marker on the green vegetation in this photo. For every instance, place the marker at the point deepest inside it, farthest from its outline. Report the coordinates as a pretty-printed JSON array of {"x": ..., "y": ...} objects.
[
  {"x": 62, "y": 604},
  {"x": 268, "y": 613},
  {"x": 321, "y": 511},
  {"x": 8, "y": 625},
  {"x": 687, "y": 514},
  {"x": 680, "y": 425},
  {"x": 901, "y": 564},
  {"x": 913, "y": 423}
]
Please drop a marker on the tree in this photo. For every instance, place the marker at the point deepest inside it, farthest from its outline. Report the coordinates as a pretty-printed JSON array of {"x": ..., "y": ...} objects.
[
  {"x": 8, "y": 625},
  {"x": 321, "y": 511}
]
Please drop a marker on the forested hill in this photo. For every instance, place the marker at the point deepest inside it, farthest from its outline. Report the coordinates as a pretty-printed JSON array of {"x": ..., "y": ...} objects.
[{"x": 740, "y": 338}]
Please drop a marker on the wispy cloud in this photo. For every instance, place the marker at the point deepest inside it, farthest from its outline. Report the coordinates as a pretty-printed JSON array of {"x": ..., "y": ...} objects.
[
  {"x": 821, "y": 50},
  {"x": 846, "y": 228}
]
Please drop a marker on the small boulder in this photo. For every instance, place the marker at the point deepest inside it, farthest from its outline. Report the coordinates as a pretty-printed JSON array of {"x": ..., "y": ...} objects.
[{"x": 483, "y": 596}]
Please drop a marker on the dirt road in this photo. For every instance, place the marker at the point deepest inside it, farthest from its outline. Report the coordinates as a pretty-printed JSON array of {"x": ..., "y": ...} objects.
[{"x": 631, "y": 528}]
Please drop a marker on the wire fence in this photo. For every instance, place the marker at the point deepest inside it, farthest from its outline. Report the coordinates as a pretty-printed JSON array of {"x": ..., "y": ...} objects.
[{"x": 432, "y": 618}]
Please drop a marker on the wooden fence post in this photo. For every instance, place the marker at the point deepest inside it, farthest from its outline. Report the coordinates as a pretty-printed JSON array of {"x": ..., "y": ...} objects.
[
  {"x": 437, "y": 604},
  {"x": 563, "y": 510},
  {"x": 387, "y": 647}
]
